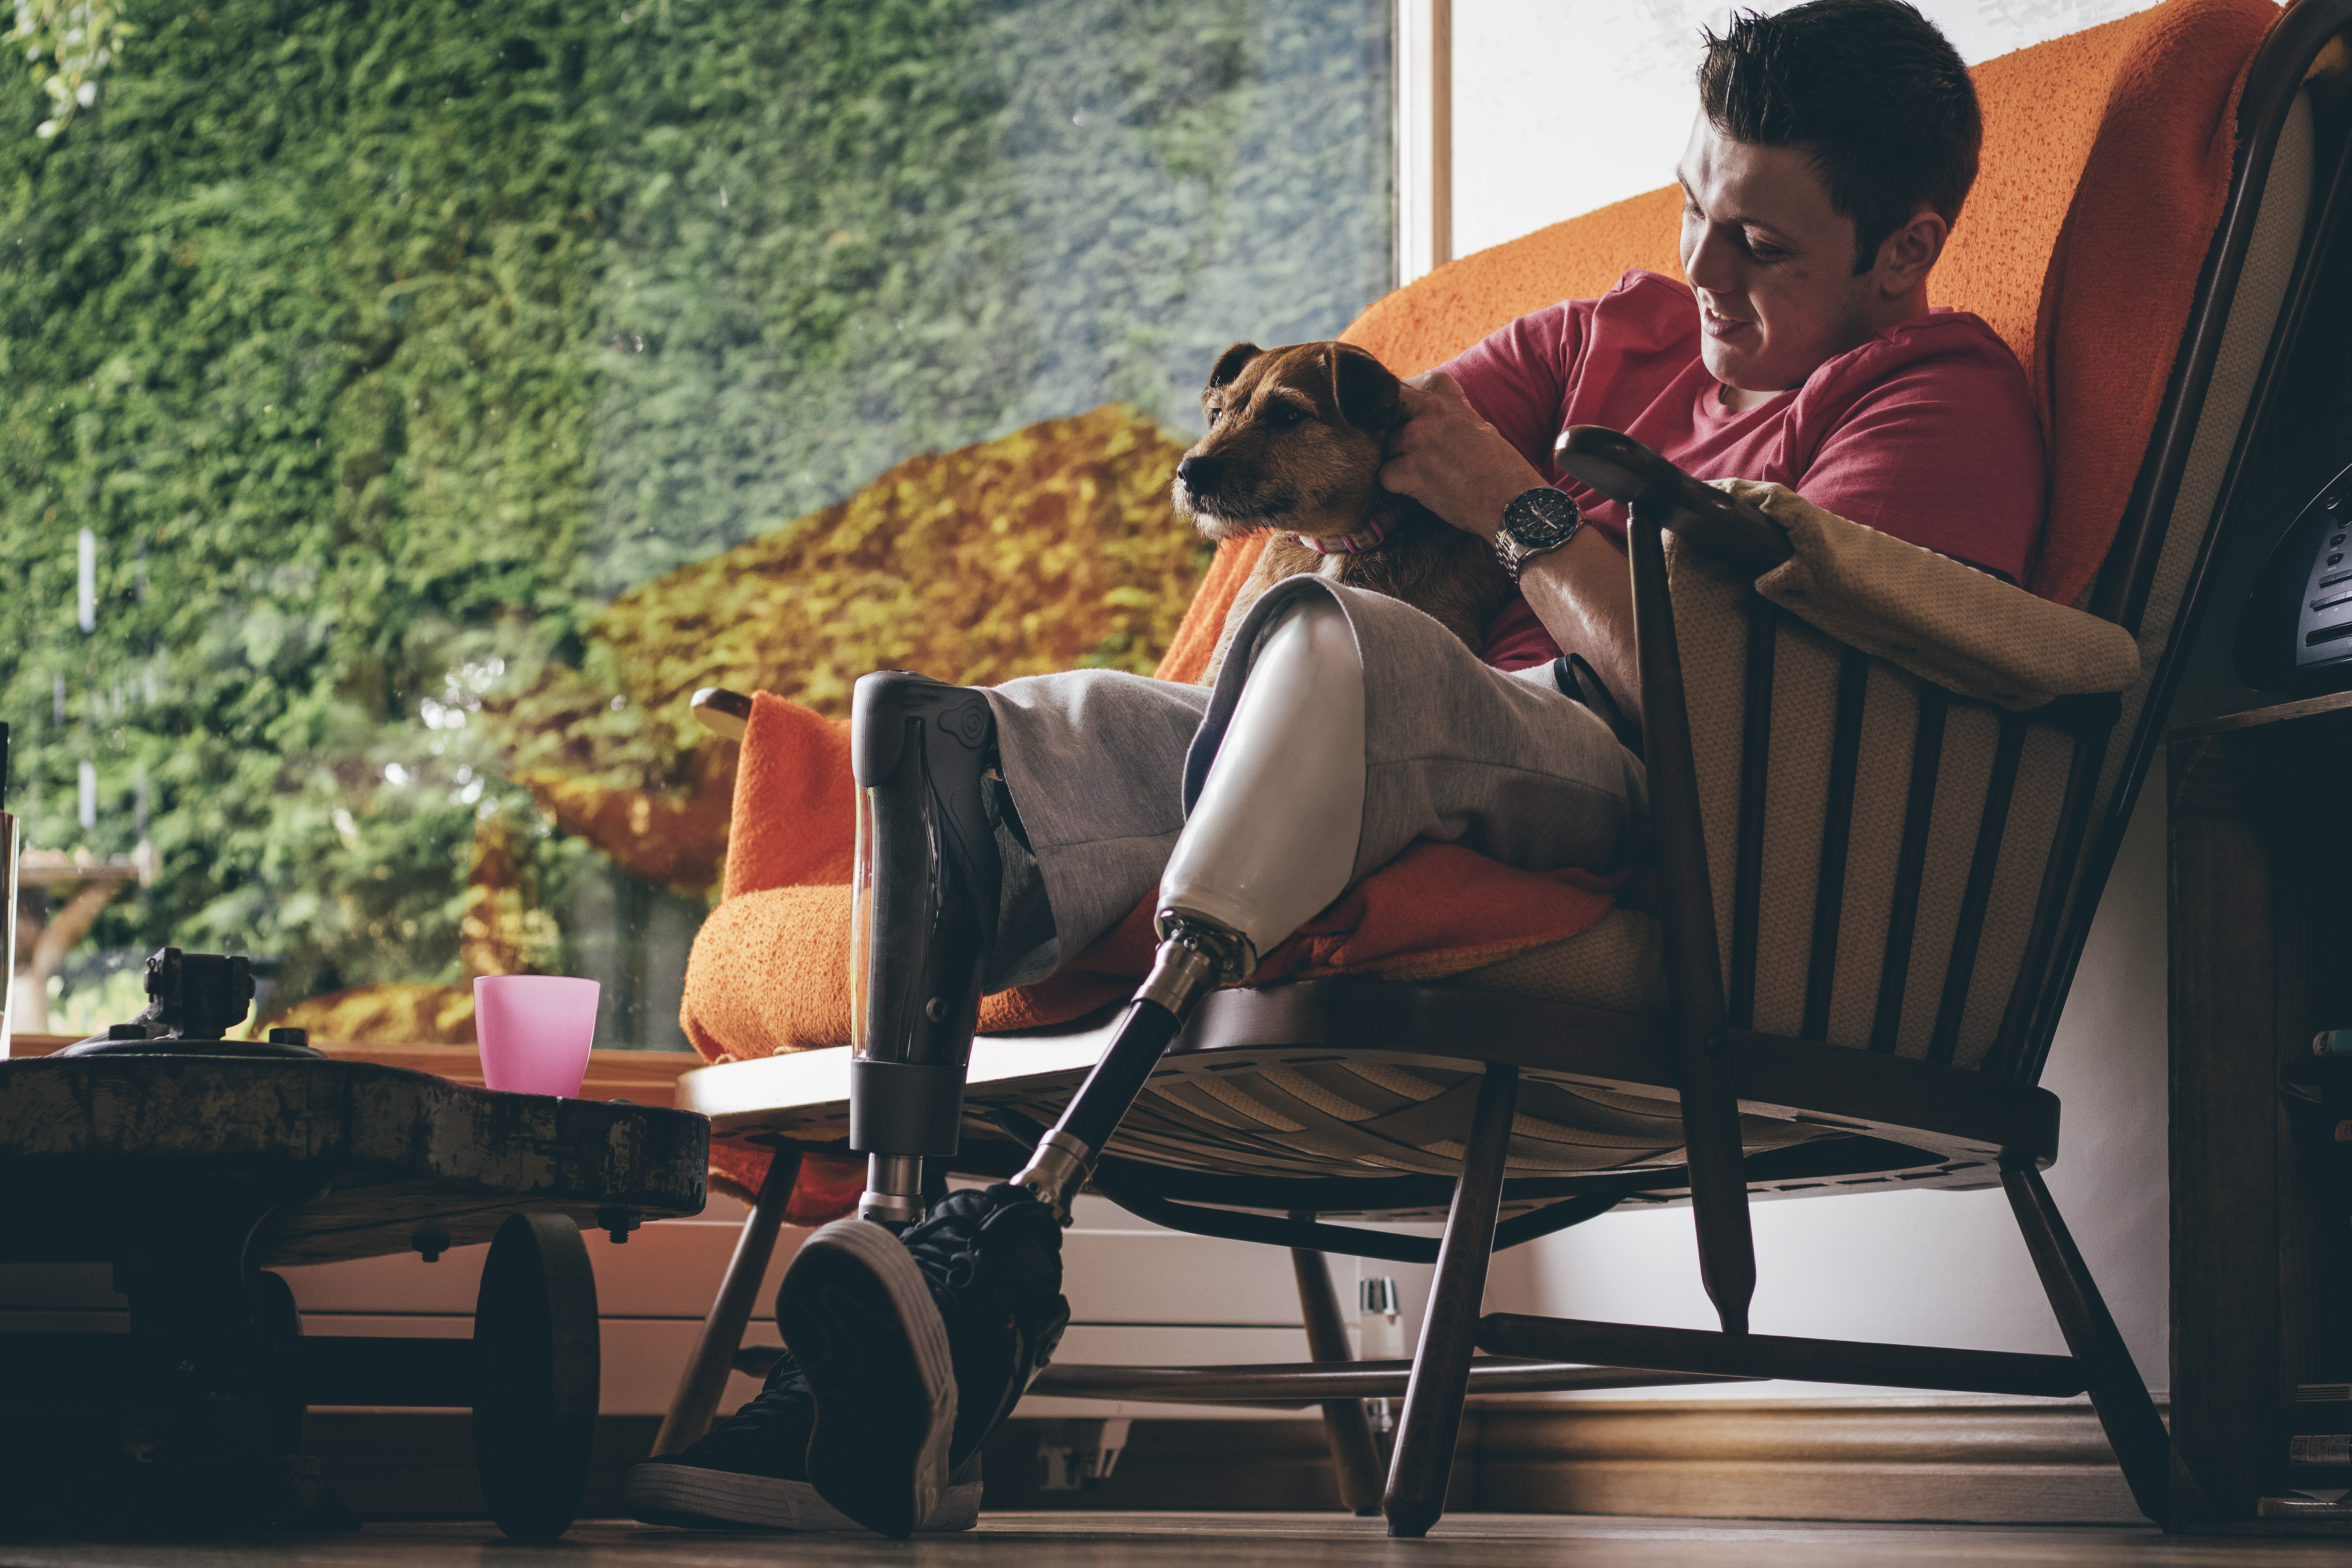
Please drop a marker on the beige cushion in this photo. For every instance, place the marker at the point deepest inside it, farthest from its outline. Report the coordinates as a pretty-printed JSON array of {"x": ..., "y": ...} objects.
[{"x": 1965, "y": 630}]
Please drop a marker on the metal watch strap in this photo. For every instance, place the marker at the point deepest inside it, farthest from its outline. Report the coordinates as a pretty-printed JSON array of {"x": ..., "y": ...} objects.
[{"x": 1514, "y": 550}]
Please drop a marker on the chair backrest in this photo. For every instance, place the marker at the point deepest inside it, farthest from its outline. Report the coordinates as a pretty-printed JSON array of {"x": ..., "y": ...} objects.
[
  {"x": 2258, "y": 276},
  {"x": 1920, "y": 874},
  {"x": 1899, "y": 870}
]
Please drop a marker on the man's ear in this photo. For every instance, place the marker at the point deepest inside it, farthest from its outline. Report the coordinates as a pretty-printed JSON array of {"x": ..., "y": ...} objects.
[
  {"x": 1362, "y": 389},
  {"x": 1911, "y": 252},
  {"x": 1229, "y": 364}
]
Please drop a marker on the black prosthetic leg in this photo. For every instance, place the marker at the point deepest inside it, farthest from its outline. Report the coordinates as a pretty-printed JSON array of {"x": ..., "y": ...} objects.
[
  {"x": 925, "y": 889},
  {"x": 1195, "y": 957}
]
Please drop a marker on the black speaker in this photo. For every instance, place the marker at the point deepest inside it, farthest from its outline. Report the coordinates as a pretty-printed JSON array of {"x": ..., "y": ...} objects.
[{"x": 2294, "y": 636}]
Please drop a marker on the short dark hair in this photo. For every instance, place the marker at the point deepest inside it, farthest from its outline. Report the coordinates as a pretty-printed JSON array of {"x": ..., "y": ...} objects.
[{"x": 1871, "y": 88}]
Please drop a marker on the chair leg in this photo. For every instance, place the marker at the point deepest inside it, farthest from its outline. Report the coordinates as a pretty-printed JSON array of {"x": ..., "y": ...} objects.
[
  {"x": 1423, "y": 1461},
  {"x": 2142, "y": 1446},
  {"x": 1345, "y": 1426},
  {"x": 1718, "y": 1185},
  {"x": 705, "y": 1379}
]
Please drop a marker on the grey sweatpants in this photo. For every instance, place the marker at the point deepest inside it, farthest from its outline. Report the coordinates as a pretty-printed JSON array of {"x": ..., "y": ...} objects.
[{"x": 1102, "y": 766}]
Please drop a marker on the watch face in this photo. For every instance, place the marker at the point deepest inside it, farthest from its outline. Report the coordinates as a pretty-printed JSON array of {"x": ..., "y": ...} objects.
[{"x": 1539, "y": 519}]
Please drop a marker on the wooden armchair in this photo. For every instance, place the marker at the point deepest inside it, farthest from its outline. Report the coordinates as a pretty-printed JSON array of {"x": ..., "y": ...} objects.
[{"x": 1875, "y": 891}]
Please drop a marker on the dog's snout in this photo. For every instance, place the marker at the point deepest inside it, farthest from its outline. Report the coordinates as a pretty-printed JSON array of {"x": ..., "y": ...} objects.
[{"x": 1200, "y": 475}]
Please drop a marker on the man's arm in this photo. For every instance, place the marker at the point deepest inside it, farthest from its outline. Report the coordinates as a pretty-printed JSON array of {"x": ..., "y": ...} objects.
[{"x": 1461, "y": 469}]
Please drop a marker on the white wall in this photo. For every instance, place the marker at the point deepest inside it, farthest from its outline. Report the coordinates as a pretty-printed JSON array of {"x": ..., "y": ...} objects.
[
  {"x": 1562, "y": 106},
  {"x": 1596, "y": 96}
]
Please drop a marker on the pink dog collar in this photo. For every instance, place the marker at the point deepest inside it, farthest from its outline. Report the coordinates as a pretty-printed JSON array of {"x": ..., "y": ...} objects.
[{"x": 1368, "y": 537}]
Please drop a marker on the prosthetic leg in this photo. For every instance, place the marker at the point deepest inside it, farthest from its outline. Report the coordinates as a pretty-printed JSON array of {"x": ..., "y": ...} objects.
[
  {"x": 924, "y": 892},
  {"x": 915, "y": 1347},
  {"x": 1271, "y": 840}
]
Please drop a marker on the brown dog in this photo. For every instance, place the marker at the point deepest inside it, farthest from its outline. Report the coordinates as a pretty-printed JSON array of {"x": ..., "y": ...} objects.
[{"x": 1297, "y": 436}]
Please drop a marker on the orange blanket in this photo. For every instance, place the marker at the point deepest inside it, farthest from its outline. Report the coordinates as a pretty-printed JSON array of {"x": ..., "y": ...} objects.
[{"x": 2107, "y": 161}]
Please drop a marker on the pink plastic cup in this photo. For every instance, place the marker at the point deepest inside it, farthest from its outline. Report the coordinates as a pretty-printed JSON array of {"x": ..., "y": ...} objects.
[{"x": 535, "y": 1031}]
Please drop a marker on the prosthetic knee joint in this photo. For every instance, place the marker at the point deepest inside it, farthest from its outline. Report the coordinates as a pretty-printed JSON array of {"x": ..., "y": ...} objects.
[
  {"x": 924, "y": 892},
  {"x": 1270, "y": 840}
]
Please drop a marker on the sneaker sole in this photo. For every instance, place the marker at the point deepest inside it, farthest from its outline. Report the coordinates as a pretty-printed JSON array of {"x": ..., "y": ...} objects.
[
  {"x": 722, "y": 1499},
  {"x": 858, "y": 1318}
]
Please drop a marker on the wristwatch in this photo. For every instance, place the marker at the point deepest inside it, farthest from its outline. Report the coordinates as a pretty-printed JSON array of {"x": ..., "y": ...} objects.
[{"x": 1535, "y": 522}]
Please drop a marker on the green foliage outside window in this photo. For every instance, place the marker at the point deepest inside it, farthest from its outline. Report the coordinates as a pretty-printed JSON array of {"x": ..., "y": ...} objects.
[{"x": 378, "y": 346}]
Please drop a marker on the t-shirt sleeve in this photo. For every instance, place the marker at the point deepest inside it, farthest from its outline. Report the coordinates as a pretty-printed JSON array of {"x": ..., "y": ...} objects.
[
  {"x": 1944, "y": 452},
  {"x": 1517, "y": 378}
]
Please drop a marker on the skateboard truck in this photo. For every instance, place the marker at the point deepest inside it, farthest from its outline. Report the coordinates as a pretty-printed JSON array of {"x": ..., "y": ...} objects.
[{"x": 193, "y": 999}]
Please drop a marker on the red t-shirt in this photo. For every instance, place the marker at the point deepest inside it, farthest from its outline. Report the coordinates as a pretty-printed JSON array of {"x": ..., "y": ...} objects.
[{"x": 1925, "y": 432}]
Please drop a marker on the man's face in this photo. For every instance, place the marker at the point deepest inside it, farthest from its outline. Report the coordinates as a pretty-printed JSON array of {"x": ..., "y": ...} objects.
[{"x": 1770, "y": 262}]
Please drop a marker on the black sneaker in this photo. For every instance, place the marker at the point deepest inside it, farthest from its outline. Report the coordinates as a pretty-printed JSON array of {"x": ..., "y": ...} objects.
[
  {"x": 916, "y": 1350},
  {"x": 751, "y": 1472}
]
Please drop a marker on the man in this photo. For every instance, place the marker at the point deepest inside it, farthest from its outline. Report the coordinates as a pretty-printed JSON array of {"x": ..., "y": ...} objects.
[
  {"x": 1815, "y": 207},
  {"x": 1833, "y": 149}
]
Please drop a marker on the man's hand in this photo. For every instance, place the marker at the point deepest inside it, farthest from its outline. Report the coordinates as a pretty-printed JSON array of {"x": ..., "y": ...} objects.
[
  {"x": 1452, "y": 461},
  {"x": 1459, "y": 467}
]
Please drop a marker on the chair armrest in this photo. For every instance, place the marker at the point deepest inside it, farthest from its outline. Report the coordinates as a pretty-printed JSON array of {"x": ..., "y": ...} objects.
[
  {"x": 726, "y": 714},
  {"x": 1624, "y": 469},
  {"x": 1943, "y": 620}
]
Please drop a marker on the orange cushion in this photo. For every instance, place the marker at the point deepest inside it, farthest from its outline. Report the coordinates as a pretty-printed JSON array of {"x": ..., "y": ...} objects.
[{"x": 771, "y": 966}]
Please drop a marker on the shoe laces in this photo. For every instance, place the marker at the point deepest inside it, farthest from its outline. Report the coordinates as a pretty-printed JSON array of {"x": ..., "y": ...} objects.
[
  {"x": 946, "y": 1245},
  {"x": 951, "y": 1249}
]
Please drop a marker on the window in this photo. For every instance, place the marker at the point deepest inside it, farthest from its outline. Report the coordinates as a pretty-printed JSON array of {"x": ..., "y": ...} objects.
[{"x": 407, "y": 405}]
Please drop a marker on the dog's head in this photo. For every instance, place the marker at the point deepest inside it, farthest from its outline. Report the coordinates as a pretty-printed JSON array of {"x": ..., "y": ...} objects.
[{"x": 1295, "y": 439}]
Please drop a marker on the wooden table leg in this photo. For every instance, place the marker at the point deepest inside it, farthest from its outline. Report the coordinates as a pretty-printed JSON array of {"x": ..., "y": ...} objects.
[
  {"x": 705, "y": 1380},
  {"x": 1423, "y": 1462}
]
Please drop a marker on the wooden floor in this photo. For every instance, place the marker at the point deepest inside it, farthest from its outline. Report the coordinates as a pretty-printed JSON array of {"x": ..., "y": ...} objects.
[{"x": 1239, "y": 1540}]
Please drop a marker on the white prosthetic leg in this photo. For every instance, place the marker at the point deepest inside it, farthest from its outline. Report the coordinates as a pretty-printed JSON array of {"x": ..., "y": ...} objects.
[
  {"x": 1270, "y": 840},
  {"x": 1273, "y": 836}
]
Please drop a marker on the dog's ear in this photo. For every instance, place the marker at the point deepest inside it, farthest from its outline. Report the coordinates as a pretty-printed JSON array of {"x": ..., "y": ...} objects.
[
  {"x": 1230, "y": 363},
  {"x": 1363, "y": 390}
]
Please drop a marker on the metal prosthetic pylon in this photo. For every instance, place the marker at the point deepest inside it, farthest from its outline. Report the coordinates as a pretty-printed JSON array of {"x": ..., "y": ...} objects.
[{"x": 1196, "y": 955}]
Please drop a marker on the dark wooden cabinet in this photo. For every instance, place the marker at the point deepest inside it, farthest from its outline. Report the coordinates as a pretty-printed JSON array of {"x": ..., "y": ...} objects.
[{"x": 2261, "y": 903}]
